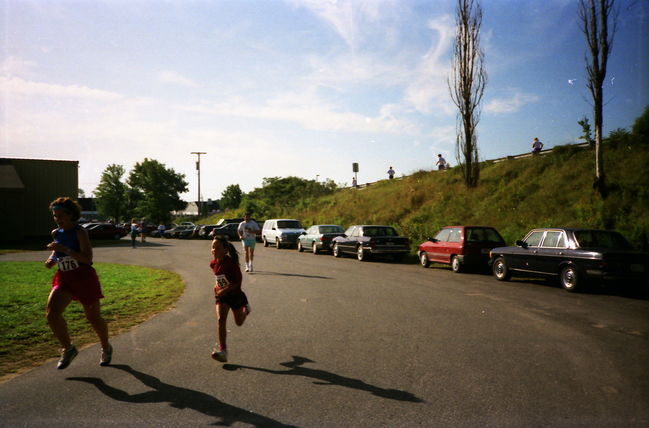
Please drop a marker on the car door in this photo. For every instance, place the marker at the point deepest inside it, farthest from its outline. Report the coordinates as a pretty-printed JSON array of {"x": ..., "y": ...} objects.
[
  {"x": 524, "y": 257},
  {"x": 435, "y": 249},
  {"x": 453, "y": 245},
  {"x": 310, "y": 237},
  {"x": 551, "y": 252}
]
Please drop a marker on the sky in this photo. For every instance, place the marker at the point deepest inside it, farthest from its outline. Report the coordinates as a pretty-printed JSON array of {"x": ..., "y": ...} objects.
[{"x": 277, "y": 88}]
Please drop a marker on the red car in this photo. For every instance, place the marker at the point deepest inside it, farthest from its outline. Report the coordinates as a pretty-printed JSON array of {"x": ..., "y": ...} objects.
[{"x": 460, "y": 246}]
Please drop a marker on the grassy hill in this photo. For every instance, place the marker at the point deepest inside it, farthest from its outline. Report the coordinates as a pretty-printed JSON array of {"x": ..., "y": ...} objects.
[{"x": 513, "y": 196}]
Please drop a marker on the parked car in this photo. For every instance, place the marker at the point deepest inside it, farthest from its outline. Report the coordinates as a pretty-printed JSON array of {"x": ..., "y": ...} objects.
[
  {"x": 281, "y": 232},
  {"x": 181, "y": 232},
  {"x": 575, "y": 256},
  {"x": 105, "y": 231},
  {"x": 369, "y": 240},
  {"x": 156, "y": 233},
  {"x": 318, "y": 237},
  {"x": 229, "y": 230},
  {"x": 460, "y": 246}
]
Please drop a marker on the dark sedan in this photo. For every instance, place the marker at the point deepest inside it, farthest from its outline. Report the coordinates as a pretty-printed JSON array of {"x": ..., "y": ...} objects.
[
  {"x": 228, "y": 230},
  {"x": 369, "y": 240},
  {"x": 319, "y": 237},
  {"x": 575, "y": 256},
  {"x": 105, "y": 231},
  {"x": 180, "y": 232}
]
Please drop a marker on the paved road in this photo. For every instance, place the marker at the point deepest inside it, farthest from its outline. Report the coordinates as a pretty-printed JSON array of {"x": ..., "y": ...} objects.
[{"x": 335, "y": 342}]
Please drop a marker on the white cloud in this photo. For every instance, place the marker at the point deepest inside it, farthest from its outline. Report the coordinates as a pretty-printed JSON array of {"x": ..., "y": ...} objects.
[
  {"x": 174, "y": 78},
  {"x": 14, "y": 66},
  {"x": 17, "y": 86},
  {"x": 511, "y": 104},
  {"x": 347, "y": 17}
]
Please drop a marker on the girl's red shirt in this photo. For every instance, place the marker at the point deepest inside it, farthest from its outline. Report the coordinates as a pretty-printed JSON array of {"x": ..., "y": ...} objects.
[{"x": 231, "y": 270}]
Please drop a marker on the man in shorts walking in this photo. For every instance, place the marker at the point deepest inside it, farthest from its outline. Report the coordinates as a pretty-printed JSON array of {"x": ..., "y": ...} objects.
[{"x": 247, "y": 231}]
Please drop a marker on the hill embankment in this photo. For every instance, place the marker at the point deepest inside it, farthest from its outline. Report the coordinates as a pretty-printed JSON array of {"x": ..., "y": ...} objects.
[{"x": 513, "y": 196}]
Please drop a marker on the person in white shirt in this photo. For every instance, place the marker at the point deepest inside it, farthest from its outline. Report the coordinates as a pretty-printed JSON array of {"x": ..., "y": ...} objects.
[
  {"x": 441, "y": 162},
  {"x": 247, "y": 231}
]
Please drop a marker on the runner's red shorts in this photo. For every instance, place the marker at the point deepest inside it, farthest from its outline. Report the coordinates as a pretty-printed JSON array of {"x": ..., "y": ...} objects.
[{"x": 82, "y": 283}]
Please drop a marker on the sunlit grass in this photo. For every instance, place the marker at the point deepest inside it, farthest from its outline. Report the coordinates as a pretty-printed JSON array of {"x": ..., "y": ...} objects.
[{"x": 132, "y": 295}]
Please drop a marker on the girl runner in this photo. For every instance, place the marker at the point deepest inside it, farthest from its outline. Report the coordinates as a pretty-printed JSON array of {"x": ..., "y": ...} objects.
[
  {"x": 227, "y": 289},
  {"x": 75, "y": 279}
]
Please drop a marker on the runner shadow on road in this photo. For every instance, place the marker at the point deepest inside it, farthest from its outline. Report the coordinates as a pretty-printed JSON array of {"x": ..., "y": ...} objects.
[
  {"x": 327, "y": 378},
  {"x": 260, "y": 272},
  {"x": 180, "y": 398}
]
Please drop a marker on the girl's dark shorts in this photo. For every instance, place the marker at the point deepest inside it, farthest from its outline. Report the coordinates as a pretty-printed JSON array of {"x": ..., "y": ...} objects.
[{"x": 234, "y": 300}]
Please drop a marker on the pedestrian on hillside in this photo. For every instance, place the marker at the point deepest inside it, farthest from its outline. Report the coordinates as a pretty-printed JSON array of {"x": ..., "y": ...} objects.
[
  {"x": 391, "y": 173},
  {"x": 537, "y": 146},
  {"x": 161, "y": 230},
  {"x": 228, "y": 293},
  {"x": 75, "y": 279},
  {"x": 354, "y": 182},
  {"x": 441, "y": 162},
  {"x": 134, "y": 231},
  {"x": 247, "y": 231}
]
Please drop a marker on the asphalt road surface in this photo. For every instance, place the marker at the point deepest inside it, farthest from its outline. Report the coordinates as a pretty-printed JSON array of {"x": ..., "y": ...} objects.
[{"x": 340, "y": 343}]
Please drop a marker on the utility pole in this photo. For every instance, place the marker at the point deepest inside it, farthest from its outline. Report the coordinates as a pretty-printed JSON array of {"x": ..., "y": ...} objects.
[{"x": 198, "y": 168}]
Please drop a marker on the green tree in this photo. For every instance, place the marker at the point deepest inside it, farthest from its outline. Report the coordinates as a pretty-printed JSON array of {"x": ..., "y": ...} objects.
[
  {"x": 587, "y": 135},
  {"x": 231, "y": 197},
  {"x": 640, "y": 127},
  {"x": 156, "y": 190},
  {"x": 111, "y": 193}
]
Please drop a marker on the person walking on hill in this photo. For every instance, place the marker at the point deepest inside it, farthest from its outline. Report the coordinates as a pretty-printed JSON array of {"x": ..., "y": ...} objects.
[
  {"x": 247, "y": 231},
  {"x": 227, "y": 291},
  {"x": 441, "y": 162},
  {"x": 537, "y": 146},
  {"x": 391, "y": 173},
  {"x": 75, "y": 279}
]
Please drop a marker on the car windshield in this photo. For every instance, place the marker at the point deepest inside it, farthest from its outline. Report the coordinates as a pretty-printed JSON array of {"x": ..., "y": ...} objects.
[
  {"x": 379, "y": 231},
  {"x": 289, "y": 224},
  {"x": 601, "y": 239},
  {"x": 331, "y": 229},
  {"x": 479, "y": 234}
]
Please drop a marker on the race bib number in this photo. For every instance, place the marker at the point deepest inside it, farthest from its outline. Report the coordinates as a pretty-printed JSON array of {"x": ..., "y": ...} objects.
[
  {"x": 222, "y": 281},
  {"x": 67, "y": 263}
]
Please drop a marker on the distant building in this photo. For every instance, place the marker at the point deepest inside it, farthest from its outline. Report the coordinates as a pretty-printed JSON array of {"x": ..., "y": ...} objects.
[
  {"x": 27, "y": 186},
  {"x": 191, "y": 209}
]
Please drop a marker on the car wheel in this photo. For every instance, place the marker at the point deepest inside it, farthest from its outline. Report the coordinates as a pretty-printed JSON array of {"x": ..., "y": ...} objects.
[
  {"x": 314, "y": 248},
  {"x": 336, "y": 251},
  {"x": 277, "y": 243},
  {"x": 299, "y": 246},
  {"x": 361, "y": 255},
  {"x": 264, "y": 241},
  {"x": 456, "y": 265},
  {"x": 423, "y": 259},
  {"x": 570, "y": 279},
  {"x": 500, "y": 270}
]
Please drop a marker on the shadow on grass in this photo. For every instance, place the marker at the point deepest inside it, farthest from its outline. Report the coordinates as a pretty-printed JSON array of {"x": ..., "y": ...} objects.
[
  {"x": 323, "y": 377},
  {"x": 180, "y": 398}
]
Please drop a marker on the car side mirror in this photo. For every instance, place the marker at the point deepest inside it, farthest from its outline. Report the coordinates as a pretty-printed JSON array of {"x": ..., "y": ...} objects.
[
  {"x": 303, "y": 233},
  {"x": 521, "y": 244}
]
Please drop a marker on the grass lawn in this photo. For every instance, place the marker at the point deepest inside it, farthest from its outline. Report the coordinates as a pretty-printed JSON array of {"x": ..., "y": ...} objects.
[{"x": 133, "y": 294}]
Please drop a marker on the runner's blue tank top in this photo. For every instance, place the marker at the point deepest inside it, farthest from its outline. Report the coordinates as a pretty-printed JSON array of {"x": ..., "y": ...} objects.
[{"x": 67, "y": 238}]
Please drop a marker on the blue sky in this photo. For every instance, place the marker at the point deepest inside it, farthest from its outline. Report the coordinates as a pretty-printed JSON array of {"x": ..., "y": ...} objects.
[{"x": 294, "y": 87}]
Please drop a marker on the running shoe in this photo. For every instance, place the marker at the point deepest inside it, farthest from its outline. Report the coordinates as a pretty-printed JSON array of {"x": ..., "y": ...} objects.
[
  {"x": 247, "y": 309},
  {"x": 67, "y": 356},
  {"x": 221, "y": 356},
  {"x": 106, "y": 356}
]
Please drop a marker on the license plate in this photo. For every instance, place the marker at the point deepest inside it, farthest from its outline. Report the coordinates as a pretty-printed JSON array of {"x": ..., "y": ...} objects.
[{"x": 637, "y": 268}]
